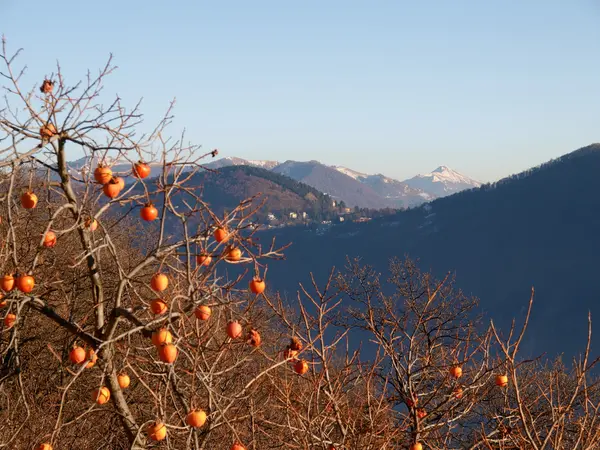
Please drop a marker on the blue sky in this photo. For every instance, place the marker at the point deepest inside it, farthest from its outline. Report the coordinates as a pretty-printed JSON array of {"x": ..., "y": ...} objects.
[{"x": 488, "y": 88}]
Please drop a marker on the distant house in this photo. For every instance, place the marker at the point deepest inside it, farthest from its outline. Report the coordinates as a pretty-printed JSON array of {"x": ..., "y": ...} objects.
[
  {"x": 304, "y": 215},
  {"x": 363, "y": 219},
  {"x": 333, "y": 203},
  {"x": 293, "y": 215},
  {"x": 341, "y": 219},
  {"x": 271, "y": 216},
  {"x": 347, "y": 210}
]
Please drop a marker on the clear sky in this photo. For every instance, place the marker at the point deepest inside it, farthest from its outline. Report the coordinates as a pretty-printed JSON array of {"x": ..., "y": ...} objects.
[{"x": 487, "y": 87}]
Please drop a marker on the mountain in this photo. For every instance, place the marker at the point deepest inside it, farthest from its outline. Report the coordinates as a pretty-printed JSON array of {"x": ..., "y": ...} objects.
[
  {"x": 390, "y": 188},
  {"x": 334, "y": 183},
  {"x": 224, "y": 190},
  {"x": 235, "y": 161},
  {"x": 378, "y": 191},
  {"x": 442, "y": 181},
  {"x": 539, "y": 228}
]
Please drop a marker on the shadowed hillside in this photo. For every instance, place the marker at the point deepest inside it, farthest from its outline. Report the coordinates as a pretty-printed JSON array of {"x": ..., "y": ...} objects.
[{"x": 539, "y": 228}]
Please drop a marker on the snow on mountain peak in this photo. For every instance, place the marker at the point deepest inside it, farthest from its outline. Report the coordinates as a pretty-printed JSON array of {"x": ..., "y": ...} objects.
[{"x": 351, "y": 173}]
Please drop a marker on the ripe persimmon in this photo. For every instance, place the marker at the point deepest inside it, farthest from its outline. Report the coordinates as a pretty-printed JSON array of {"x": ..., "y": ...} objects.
[
  {"x": 25, "y": 283},
  {"x": 234, "y": 329},
  {"x": 7, "y": 283},
  {"x": 167, "y": 353},
  {"x": 162, "y": 336},
  {"x": 9, "y": 320},
  {"x": 50, "y": 239},
  {"x": 234, "y": 254},
  {"x": 47, "y": 131},
  {"x": 112, "y": 188},
  {"x": 220, "y": 234},
  {"x": 141, "y": 170},
  {"x": 149, "y": 212},
  {"x": 103, "y": 174},
  {"x": 101, "y": 395},
  {"x": 257, "y": 285},
  {"x": 301, "y": 367},
  {"x": 456, "y": 371},
  {"x": 92, "y": 357},
  {"x": 158, "y": 306},
  {"x": 202, "y": 312},
  {"x": 44, "y": 446},
  {"x": 159, "y": 282},
  {"x": 501, "y": 380},
  {"x": 77, "y": 355},
  {"x": 123, "y": 380},
  {"x": 29, "y": 200},
  {"x": 157, "y": 431},
  {"x": 196, "y": 418},
  {"x": 203, "y": 260},
  {"x": 91, "y": 224}
]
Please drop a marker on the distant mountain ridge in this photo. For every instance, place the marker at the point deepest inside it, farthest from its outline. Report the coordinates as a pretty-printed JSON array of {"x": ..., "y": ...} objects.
[{"x": 362, "y": 189}]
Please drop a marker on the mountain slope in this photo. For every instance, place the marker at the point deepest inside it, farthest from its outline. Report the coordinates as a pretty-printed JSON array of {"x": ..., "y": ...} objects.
[
  {"x": 540, "y": 228},
  {"x": 227, "y": 187},
  {"x": 442, "y": 181},
  {"x": 334, "y": 183}
]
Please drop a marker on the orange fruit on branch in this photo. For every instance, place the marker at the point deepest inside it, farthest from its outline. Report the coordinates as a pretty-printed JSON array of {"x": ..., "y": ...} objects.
[
  {"x": 103, "y": 174},
  {"x": 44, "y": 446},
  {"x": 9, "y": 320},
  {"x": 141, "y": 170},
  {"x": 7, "y": 283},
  {"x": 77, "y": 355},
  {"x": 101, "y": 395},
  {"x": 167, "y": 353},
  {"x": 234, "y": 254},
  {"x": 92, "y": 357},
  {"x": 112, "y": 188},
  {"x": 158, "y": 306},
  {"x": 29, "y": 200},
  {"x": 123, "y": 380},
  {"x": 234, "y": 329},
  {"x": 159, "y": 282},
  {"x": 47, "y": 131},
  {"x": 416, "y": 446},
  {"x": 458, "y": 393},
  {"x": 257, "y": 285},
  {"x": 501, "y": 380},
  {"x": 202, "y": 312},
  {"x": 301, "y": 367},
  {"x": 157, "y": 431},
  {"x": 149, "y": 212},
  {"x": 237, "y": 446},
  {"x": 91, "y": 224},
  {"x": 196, "y": 418},
  {"x": 203, "y": 260},
  {"x": 50, "y": 239},
  {"x": 162, "y": 336},
  {"x": 456, "y": 371},
  {"x": 25, "y": 283},
  {"x": 220, "y": 234}
]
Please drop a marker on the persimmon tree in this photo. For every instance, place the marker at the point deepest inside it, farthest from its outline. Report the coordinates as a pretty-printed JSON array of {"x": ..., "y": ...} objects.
[
  {"x": 133, "y": 316},
  {"x": 119, "y": 270}
]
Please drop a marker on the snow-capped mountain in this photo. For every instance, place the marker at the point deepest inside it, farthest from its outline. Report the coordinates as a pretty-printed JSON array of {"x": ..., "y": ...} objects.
[
  {"x": 235, "y": 161},
  {"x": 362, "y": 189},
  {"x": 442, "y": 181}
]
